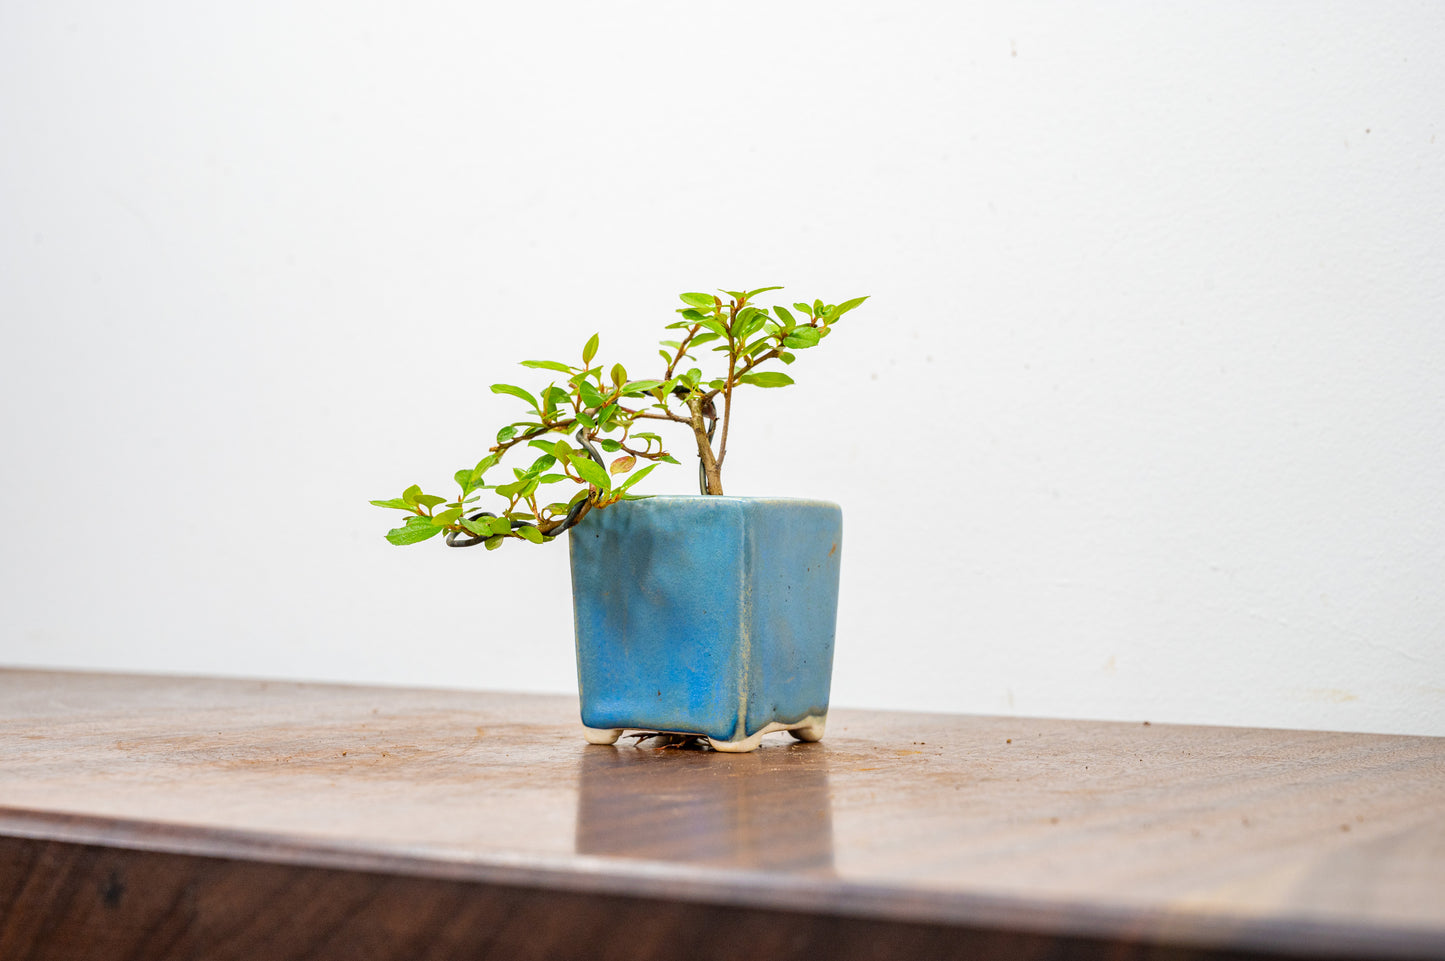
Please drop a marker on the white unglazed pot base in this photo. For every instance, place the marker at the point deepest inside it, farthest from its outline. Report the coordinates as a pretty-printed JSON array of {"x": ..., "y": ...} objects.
[
  {"x": 601, "y": 735},
  {"x": 809, "y": 728}
]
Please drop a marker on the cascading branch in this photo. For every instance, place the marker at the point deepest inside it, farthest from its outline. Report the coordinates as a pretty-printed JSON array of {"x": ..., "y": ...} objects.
[{"x": 599, "y": 407}]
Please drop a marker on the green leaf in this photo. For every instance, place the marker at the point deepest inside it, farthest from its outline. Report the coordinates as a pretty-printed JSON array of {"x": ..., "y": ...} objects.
[
  {"x": 804, "y": 309},
  {"x": 786, "y": 316},
  {"x": 396, "y": 502},
  {"x": 493, "y": 543},
  {"x": 477, "y": 528},
  {"x": 410, "y": 495},
  {"x": 541, "y": 464},
  {"x": 619, "y": 375},
  {"x": 506, "y": 433},
  {"x": 412, "y": 534},
  {"x": 748, "y": 321},
  {"x": 447, "y": 518},
  {"x": 547, "y": 365},
  {"x": 716, "y": 327},
  {"x": 803, "y": 337},
  {"x": 479, "y": 472},
  {"x": 591, "y": 473},
  {"x": 701, "y": 339},
  {"x": 531, "y": 533},
  {"x": 552, "y": 397},
  {"x": 585, "y": 419},
  {"x": 757, "y": 346},
  {"x": 766, "y": 378},
  {"x": 622, "y": 465},
  {"x": 430, "y": 500},
  {"x": 590, "y": 351},
  {"x": 844, "y": 307},
  {"x": 705, "y": 301},
  {"x": 786, "y": 357},
  {"x": 498, "y": 525},
  {"x": 609, "y": 445},
  {"x": 668, "y": 459},
  {"x": 761, "y": 290},
  {"x": 641, "y": 386},
  {"x": 690, "y": 313},
  {"x": 551, "y": 478},
  {"x": 591, "y": 398},
  {"x": 636, "y": 477},
  {"x": 516, "y": 392}
]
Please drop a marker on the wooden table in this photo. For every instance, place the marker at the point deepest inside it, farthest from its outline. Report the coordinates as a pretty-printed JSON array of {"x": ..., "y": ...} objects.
[{"x": 169, "y": 818}]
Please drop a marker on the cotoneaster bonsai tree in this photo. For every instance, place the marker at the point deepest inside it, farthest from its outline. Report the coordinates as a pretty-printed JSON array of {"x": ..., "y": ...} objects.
[{"x": 600, "y": 408}]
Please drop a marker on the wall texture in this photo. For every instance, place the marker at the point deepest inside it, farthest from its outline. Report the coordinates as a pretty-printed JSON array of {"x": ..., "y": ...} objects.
[{"x": 1145, "y": 419}]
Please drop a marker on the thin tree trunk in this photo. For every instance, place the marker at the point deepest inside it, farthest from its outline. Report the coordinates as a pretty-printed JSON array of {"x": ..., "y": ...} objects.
[{"x": 704, "y": 448}]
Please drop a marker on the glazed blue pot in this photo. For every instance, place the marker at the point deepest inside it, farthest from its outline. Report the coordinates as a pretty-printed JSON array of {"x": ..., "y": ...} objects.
[{"x": 706, "y": 615}]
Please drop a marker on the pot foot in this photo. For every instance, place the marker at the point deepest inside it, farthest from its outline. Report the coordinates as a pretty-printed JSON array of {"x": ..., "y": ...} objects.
[
  {"x": 809, "y": 728},
  {"x": 810, "y": 732},
  {"x": 744, "y": 746},
  {"x": 601, "y": 735}
]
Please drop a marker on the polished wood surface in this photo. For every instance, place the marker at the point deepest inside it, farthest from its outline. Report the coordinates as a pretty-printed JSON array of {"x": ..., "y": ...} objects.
[{"x": 175, "y": 813}]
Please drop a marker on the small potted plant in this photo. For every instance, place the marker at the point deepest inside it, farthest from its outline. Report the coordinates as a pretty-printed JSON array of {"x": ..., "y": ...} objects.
[{"x": 710, "y": 616}]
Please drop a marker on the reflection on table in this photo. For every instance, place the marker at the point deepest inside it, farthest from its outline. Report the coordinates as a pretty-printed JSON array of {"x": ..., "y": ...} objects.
[{"x": 769, "y": 810}]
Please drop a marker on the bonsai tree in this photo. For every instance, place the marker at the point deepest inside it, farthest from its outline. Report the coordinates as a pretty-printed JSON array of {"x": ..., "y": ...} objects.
[{"x": 601, "y": 408}]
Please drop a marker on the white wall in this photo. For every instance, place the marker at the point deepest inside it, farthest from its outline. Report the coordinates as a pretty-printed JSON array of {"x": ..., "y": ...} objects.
[{"x": 1145, "y": 419}]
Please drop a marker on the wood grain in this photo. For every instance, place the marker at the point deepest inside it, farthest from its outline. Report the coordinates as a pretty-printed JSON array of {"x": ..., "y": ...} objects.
[{"x": 172, "y": 817}]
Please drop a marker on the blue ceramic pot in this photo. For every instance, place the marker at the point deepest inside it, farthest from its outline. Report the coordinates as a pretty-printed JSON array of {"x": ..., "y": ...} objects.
[{"x": 706, "y": 615}]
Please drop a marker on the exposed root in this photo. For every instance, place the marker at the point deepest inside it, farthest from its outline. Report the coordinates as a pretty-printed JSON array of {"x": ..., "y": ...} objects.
[{"x": 679, "y": 742}]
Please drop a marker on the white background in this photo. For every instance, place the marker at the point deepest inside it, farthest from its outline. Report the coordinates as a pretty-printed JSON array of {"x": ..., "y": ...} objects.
[{"x": 1145, "y": 419}]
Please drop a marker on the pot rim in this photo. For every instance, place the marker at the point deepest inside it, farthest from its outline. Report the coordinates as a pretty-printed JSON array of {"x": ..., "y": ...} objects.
[{"x": 681, "y": 499}]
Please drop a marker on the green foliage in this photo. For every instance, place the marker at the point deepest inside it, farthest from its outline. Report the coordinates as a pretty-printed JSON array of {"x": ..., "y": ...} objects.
[
  {"x": 766, "y": 378},
  {"x": 606, "y": 407}
]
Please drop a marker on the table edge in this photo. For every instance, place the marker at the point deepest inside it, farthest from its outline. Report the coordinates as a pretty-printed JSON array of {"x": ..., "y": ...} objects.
[{"x": 806, "y": 893}]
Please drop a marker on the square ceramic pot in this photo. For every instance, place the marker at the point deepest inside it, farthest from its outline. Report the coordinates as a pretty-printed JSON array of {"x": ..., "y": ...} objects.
[{"x": 706, "y": 615}]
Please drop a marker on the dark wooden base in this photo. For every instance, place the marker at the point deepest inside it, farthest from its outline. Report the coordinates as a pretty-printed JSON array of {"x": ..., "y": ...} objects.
[{"x": 80, "y": 902}]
